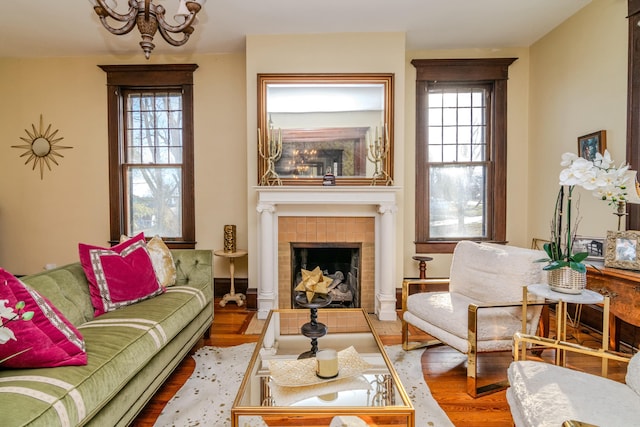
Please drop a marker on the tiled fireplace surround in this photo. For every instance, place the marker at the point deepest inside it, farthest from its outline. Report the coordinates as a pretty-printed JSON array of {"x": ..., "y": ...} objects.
[{"x": 364, "y": 215}]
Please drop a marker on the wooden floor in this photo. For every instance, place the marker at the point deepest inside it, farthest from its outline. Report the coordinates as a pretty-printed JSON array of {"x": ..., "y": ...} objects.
[{"x": 444, "y": 370}]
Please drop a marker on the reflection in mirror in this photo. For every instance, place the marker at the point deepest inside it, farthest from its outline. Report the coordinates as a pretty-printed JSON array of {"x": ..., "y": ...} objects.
[{"x": 328, "y": 124}]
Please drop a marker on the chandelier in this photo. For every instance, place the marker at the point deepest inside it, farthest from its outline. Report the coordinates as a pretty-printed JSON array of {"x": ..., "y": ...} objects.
[{"x": 150, "y": 18}]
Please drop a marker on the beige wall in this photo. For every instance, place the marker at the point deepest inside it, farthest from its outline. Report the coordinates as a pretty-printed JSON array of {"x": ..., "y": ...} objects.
[
  {"x": 578, "y": 85},
  {"x": 570, "y": 83},
  {"x": 42, "y": 221}
]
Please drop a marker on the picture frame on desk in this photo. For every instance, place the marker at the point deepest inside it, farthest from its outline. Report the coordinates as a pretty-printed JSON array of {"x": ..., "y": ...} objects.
[
  {"x": 594, "y": 246},
  {"x": 623, "y": 250}
]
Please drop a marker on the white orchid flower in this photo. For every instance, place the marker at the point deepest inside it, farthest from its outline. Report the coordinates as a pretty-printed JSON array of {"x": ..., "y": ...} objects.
[{"x": 567, "y": 159}]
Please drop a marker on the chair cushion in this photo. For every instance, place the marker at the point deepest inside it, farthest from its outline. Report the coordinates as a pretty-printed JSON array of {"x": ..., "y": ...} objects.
[
  {"x": 542, "y": 395},
  {"x": 491, "y": 273},
  {"x": 444, "y": 315},
  {"x": 633, "y": 373}
]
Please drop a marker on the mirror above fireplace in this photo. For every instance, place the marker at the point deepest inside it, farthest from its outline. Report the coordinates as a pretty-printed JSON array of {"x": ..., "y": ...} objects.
[{"x": 327, "y": 123}]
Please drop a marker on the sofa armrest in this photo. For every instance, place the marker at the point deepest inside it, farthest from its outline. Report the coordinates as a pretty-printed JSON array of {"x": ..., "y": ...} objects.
[{"x": 409, "y": 285}]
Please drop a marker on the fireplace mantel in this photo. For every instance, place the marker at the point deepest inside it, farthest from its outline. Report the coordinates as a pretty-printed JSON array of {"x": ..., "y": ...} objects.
[{"x": 357, "y": 201}]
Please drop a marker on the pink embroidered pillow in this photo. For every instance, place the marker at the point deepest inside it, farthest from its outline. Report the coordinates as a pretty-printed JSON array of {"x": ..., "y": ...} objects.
[
  {"x": 161, "y": 259},
  {"x": 48, "y": 338},
  {"x": 119, "y": 276}
]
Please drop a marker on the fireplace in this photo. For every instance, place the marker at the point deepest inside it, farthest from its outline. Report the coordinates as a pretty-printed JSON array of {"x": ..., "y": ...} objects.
[
  {"x": 355, "y": 215},
  {"x": 338, "y": 261}
]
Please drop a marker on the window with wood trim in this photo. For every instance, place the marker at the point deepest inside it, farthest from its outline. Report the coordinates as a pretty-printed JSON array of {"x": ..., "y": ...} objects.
[
  {"x": 151, "y": 182},
  {"x": 460, "y": 152}
]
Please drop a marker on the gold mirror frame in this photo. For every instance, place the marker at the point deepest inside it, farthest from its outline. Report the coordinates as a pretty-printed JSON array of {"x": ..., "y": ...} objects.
[{"x": 327, "y": 132}]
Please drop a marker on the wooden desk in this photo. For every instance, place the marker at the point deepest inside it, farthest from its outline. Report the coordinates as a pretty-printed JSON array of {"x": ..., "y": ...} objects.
[{"x": 623, "y": 288}]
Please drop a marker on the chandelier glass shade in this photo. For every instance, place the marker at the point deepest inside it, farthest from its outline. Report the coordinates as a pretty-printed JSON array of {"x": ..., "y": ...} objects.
[{"x": 149, "y": 18}]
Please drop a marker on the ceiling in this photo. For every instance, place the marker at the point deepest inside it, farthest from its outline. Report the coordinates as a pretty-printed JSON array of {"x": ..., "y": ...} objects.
[{"x": 45, "y": 28}]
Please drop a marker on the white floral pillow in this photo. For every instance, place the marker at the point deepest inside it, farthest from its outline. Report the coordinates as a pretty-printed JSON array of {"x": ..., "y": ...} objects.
[{"x": 162, "y": 261}]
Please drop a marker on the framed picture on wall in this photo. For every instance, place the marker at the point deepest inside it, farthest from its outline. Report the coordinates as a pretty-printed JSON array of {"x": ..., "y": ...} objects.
[
  {"x": 623, "y": 250},
  {"x": 591, "y": 144}
]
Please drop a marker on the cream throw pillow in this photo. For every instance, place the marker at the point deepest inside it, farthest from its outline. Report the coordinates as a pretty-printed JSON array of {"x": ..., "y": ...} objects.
[{"x": 161, "y": 259}]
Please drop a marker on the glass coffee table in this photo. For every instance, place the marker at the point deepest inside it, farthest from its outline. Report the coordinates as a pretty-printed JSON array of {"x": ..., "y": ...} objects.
[{"x": 283, "y": 390}]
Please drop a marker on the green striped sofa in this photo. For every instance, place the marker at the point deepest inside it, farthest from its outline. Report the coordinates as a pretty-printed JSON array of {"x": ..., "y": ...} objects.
[{"x": 131, "y": 351}]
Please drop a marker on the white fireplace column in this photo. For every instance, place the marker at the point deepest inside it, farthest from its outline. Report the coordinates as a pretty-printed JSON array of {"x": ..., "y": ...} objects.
[
  {"x": 267, "y": 272},
  {"x": 386, "y": 294}
]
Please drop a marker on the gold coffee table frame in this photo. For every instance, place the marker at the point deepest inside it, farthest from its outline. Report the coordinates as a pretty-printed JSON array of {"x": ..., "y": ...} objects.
[{"x": 281, "y": 340}]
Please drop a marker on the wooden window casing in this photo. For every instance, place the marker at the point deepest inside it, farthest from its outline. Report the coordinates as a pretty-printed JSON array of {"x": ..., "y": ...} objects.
[
  {"x": 492, "y": 73},
  {"x": 121, "y": 78}
]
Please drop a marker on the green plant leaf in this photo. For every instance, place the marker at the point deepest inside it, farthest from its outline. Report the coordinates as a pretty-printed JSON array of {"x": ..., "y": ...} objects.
[
  {"x": 578, "y": 266},
  {"x": 579, "y": 257}
]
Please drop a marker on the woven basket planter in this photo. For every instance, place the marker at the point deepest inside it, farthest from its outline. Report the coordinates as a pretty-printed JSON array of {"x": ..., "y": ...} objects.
[{"x": 567, "y": 280}]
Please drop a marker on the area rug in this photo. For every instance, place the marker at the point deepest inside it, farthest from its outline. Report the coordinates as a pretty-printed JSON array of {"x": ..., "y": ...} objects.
[{"x": 207, "y": 396}]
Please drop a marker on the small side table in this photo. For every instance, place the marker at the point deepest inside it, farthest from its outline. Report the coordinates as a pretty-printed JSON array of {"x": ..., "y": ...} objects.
[
  {"x": 586, "y": 297},
  {"x": 423, "y": 259},
  {"x": 232, "y": 296}
]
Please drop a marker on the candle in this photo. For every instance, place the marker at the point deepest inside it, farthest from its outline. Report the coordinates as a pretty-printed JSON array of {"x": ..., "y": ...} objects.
[{"x": 327, "y": 363}]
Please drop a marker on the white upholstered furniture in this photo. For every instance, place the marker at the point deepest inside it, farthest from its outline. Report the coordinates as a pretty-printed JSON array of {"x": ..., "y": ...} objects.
[
  {"x": 482, "y": 308},
  {"x": 543, "y": 394}
]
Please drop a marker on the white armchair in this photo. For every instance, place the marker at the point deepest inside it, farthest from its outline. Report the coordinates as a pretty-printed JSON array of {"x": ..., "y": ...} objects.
[
  {"x": 482, "y": 308},
  {"x": 545, "y": 395}
]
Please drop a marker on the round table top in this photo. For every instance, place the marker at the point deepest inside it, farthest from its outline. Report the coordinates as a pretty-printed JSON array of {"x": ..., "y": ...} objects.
[
  {"x": 237, "y": 254},
  {"x": 422, "y": 258},
  {"x": 586, "y": 297}
]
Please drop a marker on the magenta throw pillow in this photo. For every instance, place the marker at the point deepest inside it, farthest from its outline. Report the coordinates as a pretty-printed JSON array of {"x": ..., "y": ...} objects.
[
  {"x": 47, "y": 340},
  {"x": 119, "y": 276}
]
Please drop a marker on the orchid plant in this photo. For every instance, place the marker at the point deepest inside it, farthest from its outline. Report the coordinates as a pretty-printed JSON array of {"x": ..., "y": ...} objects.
[{"x": 605, "y": 180}]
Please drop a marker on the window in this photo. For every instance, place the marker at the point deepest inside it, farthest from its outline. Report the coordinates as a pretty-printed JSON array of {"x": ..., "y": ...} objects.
[
  {"x": 151, "y": 152},
  {"x": 460, "y": 152}
]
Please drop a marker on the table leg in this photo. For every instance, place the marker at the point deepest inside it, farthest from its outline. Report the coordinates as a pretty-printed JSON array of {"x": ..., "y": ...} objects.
[
  {"x": 561, "y": 330},
  {"x": 605, "y": 334},
  {"x": 232, "y": 296}
]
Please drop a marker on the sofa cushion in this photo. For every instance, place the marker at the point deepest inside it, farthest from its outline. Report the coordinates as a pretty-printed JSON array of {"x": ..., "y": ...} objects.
[
  {"x": 544, "y": 395},
  {"x": 48, "y": 338},
  {"x": 161, "y": 258},
  {"x": 119, "y": 276},
  {"x": 162, "y": 261}
]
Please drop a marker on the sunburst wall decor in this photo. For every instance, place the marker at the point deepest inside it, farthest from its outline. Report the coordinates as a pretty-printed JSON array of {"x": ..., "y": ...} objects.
[{"x": 41, "y": 147}]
